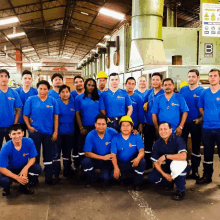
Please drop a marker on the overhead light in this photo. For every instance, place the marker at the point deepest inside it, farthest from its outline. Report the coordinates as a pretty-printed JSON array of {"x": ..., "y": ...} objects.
[
  {"x": 26, "y": 50},
  {"x": 111, "y": 13},
  {"x": 16, "y": 35},
  {"x": 32, "y": 64},
  {"x": 9, "y": 21},
  {"x": 107, "y": 36},
  {"x": 78, "y": 28},
  {"x": 84, "y": 13},
  {"x": 93, "y": 50},
  {"x": 102, "y": 45},
  {"x": 65, "y": 57}
]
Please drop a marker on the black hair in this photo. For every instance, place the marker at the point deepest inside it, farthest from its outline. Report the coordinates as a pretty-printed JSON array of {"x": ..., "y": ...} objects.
[
  {"x": 43, "y": 82},
  {"x": 168, "y": 79},
  {"x": 95, "y": 94},
  {"x": 78, "y": 77},
  {"x": 194, "y": 71},
  {"x": 5, "y": 71},
  {"x": 165, "y": 122},
  {"x": 26, "y": 72},
  {"x": 130, "y": 78},
  {"x": 213, "y": 70},
  {"x": 101, "y": 116},
  {"x": 15, "y": 127},
  {"x": 157, "y": 74},
  {"x": 63, "y": 87},
  {"x": 113, "y": 74},
  {"x": 55, "y": 75}
]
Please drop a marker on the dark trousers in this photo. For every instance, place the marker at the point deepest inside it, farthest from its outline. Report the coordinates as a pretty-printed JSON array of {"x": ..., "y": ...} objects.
[
  {"x": 65, "y": 143},
  {"x": 126, "y": 167},
  {"x": 114, "y": 124},
  {"x": 156, "y": 177},
  {"x": 149, "y": 138},
  {"x": 48, "y": 151},
  {"x": 209, "y": 138},
  {"x": 33, "y": 173},
  {"x": 75, "y": 153},
  {"x": 24, "y": 128},
  {"x": 196, "y": 133},
  {"x": 89, "y": 165},
  {"x": 4, "y": 134}
]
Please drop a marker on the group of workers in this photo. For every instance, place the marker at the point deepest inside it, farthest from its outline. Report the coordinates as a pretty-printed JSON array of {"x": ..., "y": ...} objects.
[{"x": 114, "y": 130}]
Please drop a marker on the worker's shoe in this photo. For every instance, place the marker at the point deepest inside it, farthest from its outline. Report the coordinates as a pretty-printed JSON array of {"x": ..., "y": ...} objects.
[
  {"x": 56, "y": 179},
  {"x": 50, "y": 181},
  {"x": 33, "y": 184},
  {"x": 178, "y": 196},
  {"x": 6, "y": 192},
  {"x": 89, "y": 184},
  {"x": 170, "y": 186},
  {"x": 204, "y": 180},
  {"x": 26, "y": 190},
  {"x": 69, "y": 173},
  {"x": 194, "y": 175},
  {"x": 137, "y": 187}
]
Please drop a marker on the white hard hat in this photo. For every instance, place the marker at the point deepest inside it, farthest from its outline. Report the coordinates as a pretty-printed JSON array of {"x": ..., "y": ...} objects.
[{"x": 177, "y": 167}]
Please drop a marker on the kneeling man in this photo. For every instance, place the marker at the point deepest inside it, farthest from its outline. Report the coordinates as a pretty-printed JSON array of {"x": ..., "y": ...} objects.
[
  {"x": 128, "y": 152},
  {"x": 170, "y": 150},
  {"x": 17, "y": 162}
]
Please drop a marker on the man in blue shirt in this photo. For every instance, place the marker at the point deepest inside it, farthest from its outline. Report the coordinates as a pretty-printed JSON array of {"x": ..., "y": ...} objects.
[
  {"x": 137, "y": 104},
  {"x": 57, "y": 81},
  {"x": 169, "y": 148},
  {"x": 98, "y": 151},
  {"x": 79, "y": 86},
  {"x": 191, "y": 94},
  {"x": 115, "y": 102},
  {"x": 209, "y": 106},
  {"x": 149, "y": 129},
  {"x": 170, "y": 107},
  {"x": 10, "y": 106},
  {"x": 128, "y": 153},
  {"x": 17, "y": 162},
  {"x": 142, "y": 87},
  {"x": 101, "y": 81},
  {"x": 25, "y": 92}
]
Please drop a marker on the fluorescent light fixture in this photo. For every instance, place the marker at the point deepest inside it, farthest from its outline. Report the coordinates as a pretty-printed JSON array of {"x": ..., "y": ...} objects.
[
  {"x": 84, "y": 13},
  {"x": 102, "y": 45},
  {"x": 32, "y": 64},
  {"x": 16, "y": 35},
  {"x": 78, "y": 28},
  {"x": 26, "y": 50},
  {"x": 107, "y": 36},
  {"x": 66, "y": 57},
  {"x": 9, "y": 21},
  {"x": 111, "y": 13}
]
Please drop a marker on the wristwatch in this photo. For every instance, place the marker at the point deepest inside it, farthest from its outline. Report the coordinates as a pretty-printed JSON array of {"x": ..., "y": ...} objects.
[
  {"x": 165, "y": 155},
  {"x": 181, "y": 127}
]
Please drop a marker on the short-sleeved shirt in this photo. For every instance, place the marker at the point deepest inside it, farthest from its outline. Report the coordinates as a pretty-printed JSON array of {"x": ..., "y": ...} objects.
[
  {"x": 11, "y": 158},
  {"x": 192, "y": 99},
  {"x": 66, "y": 116},
  {"x": 74, "y": 94},
  {"x": 210, "y": 102},
  {"x": 175, "y": 145},
  {"x": 115, "y": 103},
  {"x": 88, "y": 109},
  {"x": 150, "y": 98},
  {"x": 138, "y": 111},
  {"x": 41, "y": 113},
  {"x": 53, "y": 94},
  {"x": 24, "y": 96},
  {"x": 142, "y": 94},
  {"x": 97, "y": 145},
  {"x": 170, "y": 111},
  {"x": 9, "y": 101},
  {"x": 126, "y": 150}
]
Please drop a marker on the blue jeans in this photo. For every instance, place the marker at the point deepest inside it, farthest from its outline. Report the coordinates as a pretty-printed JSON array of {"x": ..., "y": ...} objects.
[{"x": 4, "y": 134}]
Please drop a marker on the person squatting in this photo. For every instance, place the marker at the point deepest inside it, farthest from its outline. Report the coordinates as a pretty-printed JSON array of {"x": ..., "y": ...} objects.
[{"x": 114, "y": 130}]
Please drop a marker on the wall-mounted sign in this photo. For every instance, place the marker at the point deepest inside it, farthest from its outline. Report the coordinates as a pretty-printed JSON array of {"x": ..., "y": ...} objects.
[{"x": 208, "y": 50}]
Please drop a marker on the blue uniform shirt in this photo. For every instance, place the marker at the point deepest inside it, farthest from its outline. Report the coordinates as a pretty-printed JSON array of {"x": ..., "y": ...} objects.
[
  {"x": 142, "y": 94},
  {"x": 24, "y": 96},
  {"x": 192, "y": 99},
  {"x": 170, "y": 111},
  {"x": 97, "y": 145},
  {"x": 9, "y": 101},
  {"x": 150, "y": 98},
  {"x": 210, "y": 102},
  {"x": 126, "y": 150},
  {"x": 138, "y": 111},
  {"x": 53, "y": 94},
  {"x": 42, "y": 113},
  {"x": 74, "y": 94},
  {"x": 10, "y": 158},
  {"x": 88, "y": 109},
  {"x": 115, "y": 104},
  {"x": 66, "y": 116}
]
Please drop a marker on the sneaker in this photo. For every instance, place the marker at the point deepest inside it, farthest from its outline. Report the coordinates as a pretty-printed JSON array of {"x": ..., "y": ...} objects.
[
  {"x": 6, "y": 192},
  {"x": 178, "y": 196},
  {"x": 26, "y": 190}
]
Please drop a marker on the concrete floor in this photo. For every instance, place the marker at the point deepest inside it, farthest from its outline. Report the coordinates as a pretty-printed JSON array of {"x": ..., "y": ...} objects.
[{"x": 70, "y": 200}]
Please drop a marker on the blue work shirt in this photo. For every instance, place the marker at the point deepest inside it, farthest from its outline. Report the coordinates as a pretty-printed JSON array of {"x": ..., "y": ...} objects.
[
  {"x": 41, "y": 113},
  {"x": 170, "y": 111},
  {"x": 138, "y": 111},
  {"x": 74, "y": 94},
  {"x": 11, "y": 158},
  {"x": 115, "y": 103},
  {"x": 97, "y": 145},
  {"x": 24, "y": 96},
  {"x": 88, "y": 109},
  {"x": 210, "y": 102},
  {"x": 142, "y": 94},
  {"x": 150, "y": 98},
  {"x": 53, "y": 94},
  {"x": 126, "y": 150},
  {"x": 9, "y": 101},
  {"x": 66, "y": 116},
  {"x": 192, "y": 99}
]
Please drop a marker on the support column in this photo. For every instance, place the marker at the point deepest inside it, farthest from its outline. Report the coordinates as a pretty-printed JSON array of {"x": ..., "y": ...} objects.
[
  {"x": 18, "y": 60},
  {"x": 171, "y": 18}
]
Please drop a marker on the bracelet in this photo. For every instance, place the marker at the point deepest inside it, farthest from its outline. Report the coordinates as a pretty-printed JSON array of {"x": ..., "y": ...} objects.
[{"x": 81, "y": 128}]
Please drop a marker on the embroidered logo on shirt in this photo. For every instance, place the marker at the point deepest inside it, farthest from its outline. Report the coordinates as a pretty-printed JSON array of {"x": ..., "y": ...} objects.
[
  {"x": 10, "y": 98},
  {"x": 119, "y": 97},
  {"x": 25, "y": 154},
  {"x": 175, "y": 104},
  {"x": 49, "y": 106},
  {"x": 131, "y": 145},
  {"x": 72, "y": 109},
  {"x": 106, "y": 143},
  {"x": 195, "y": 95},
  {"x": 217, "y": 98}
]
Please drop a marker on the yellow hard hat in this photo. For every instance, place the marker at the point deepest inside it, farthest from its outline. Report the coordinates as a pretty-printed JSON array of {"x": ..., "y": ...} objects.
[
  {"x": 183, "y": 83},
  {"x": 126, "y": 118},
  {"x": 102, "y": 74}
]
